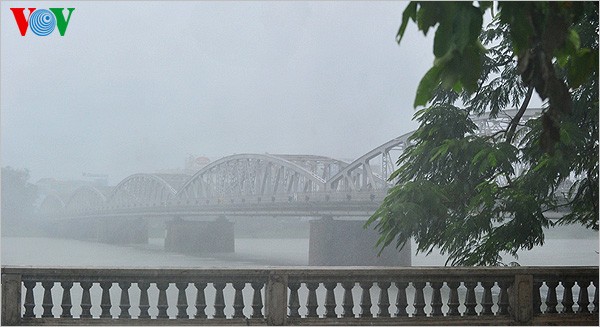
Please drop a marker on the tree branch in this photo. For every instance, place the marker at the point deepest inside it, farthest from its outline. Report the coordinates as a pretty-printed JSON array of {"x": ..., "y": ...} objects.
[{"x": 512, "y": 127}]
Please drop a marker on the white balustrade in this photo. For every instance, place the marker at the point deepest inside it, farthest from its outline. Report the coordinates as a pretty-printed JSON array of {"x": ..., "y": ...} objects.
[{"x": 319, "y": 296}]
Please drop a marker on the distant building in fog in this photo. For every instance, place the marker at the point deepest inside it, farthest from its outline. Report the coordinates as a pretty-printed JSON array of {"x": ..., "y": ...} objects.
[{"x": 192, "y": 165}]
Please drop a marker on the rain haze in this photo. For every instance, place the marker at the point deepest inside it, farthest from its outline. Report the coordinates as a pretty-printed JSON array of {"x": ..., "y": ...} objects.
[{"x": 139, "y": 86}]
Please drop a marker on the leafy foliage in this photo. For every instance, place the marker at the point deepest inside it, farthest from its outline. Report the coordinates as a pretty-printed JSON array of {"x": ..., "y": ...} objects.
[
  {"x": 456, "y": 47},
  {"x": 478, "y": 195},
  {"x": 541, "y": 33}
]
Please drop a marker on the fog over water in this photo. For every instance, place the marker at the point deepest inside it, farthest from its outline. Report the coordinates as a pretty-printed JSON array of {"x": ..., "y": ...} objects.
[{"x": 569, "y": 246}]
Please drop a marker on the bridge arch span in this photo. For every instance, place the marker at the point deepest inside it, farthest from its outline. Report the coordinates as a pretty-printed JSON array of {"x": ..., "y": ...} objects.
[
  {"x": 51, "y": 205},
  {"x": 85, "y": 198},
  {"x": 360, "y": 175},
  {"x": 142, "y": 190},
  {"x": 325, "y": 167},
  {"x": 251, "y": 175}
]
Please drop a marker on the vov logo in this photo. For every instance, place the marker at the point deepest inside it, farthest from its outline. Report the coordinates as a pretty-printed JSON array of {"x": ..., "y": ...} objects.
[{"x": 42, "y": 22}]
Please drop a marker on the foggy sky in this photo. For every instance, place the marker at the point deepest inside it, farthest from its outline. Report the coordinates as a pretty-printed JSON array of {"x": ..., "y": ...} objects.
[{"x": 137, "y": 86}]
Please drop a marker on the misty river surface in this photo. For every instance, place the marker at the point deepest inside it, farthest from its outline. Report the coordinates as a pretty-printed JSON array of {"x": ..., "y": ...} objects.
[{"x": 565, "y": 248}]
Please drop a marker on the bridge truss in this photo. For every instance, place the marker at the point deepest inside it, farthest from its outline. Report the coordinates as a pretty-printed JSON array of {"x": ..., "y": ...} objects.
[{"x": 256, "y": 183}]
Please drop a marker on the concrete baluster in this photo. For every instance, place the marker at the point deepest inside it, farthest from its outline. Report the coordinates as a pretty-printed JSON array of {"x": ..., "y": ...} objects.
[
  {"x": 238, "y": 300},
  {"x": 257, "y": 303},
  {"x": 453, "y": 302},
  {"x": 29, "y": 299},
  {"x": 537, "y": 299},
  {"x": 419, "y": 302},
  {"x": 365, "y": 300},
  {"x": 348, "y": 301},
  {"x": 436, "y": 299},
  {"x": 384, "y": 299},
  {"x": 311, "y": 303},
  {"x": 595, "y": 283},
  {"x": 124, "y": 305},
  {"x": 567, "y": 300},
  {"x": 551, "y": 300},
  {"x": 66, "y": 300},
  {"x": 401, "y": 302},
  {"x": 219, "y": 300},
  {"x": 503, "y": 298},
  {"x": 583, "y": 299},
  {"x": 105, "y": 304},
  {"x": 86, "y": 302},
  {"x": 162, "y": 305},
  {"x": 144, "y": 304},
  {"x": 486, "y": 300},
  {"x": 330, "y": 300},
  {"x": 47, "y": 300},
  {"x": 470, "y": 300},
  {"x": 182, "y": 304},
  {"x": 294, "y": 302},
  {"x": 200, "y": 300}
]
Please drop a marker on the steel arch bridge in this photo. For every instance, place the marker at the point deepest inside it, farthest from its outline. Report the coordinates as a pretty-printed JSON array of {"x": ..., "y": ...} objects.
[{"x": 254, "y": 184}]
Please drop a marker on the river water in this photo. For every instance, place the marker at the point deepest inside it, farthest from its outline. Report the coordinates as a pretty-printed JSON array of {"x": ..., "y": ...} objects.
[{"x": 566, "y": 246}]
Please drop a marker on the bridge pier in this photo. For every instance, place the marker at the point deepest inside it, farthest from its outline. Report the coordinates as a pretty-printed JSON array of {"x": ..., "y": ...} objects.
[
  {"x": 187, "y": 236},
  {"x": 347, "y": 243},
  {"x": 122, "y": 231}
]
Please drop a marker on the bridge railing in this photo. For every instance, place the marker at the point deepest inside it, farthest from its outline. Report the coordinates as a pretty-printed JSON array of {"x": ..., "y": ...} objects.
[{"x": 293, "y": 296}]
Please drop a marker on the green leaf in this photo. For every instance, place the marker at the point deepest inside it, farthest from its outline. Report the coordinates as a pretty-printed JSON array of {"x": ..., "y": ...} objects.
[
  {"x": 442, "y": 42},
  {"x": 565, "y": 136},
  {"x": 581, "y": 65},
  {"x": 457, "y": 87},
  {"x": 409, "y": 13},
  {"x": 573, "y": 43},
  {"x": 491, "y": 158},
  {"x": 450, "y": 72},
  {"x": 570, "y": 48},
  {"x": 471, "y": 67},
  {"x": 427, "y": 85},
  {"x": 467, "y": 26},
  {"x": 479, "y": 156},
  {"x": 476, "y": 24},
  {"x": 429, "y": 14},
  {"x": 442, "y": 150},
  {"x": 515, "y": 14}
]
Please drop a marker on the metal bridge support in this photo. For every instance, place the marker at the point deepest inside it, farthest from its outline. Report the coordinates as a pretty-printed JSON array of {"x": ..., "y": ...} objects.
[
  {"x": 122, "y": 231},
  {"x": 187, "y": 236},
  {"x": 347, "y": 243}
]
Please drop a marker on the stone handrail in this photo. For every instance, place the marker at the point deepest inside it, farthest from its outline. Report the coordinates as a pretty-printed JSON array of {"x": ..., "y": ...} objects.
[{"x": 300, "y": 295}]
